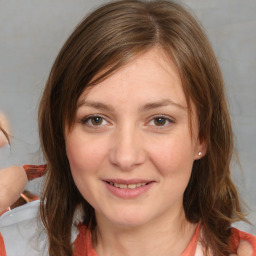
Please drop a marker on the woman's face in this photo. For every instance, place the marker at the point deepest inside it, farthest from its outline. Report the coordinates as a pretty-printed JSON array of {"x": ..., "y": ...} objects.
[{"x": 131, "y": 149}]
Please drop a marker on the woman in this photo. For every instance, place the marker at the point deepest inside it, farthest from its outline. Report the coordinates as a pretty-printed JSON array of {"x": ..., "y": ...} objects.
[{"x": 137, "y": 138}]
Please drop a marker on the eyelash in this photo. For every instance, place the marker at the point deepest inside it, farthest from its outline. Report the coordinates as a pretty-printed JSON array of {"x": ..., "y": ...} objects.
[{"x": 85, "y": 121}]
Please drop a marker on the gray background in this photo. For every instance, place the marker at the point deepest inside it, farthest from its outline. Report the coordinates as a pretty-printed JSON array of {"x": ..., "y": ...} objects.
[{"x": 32, "y": 32}]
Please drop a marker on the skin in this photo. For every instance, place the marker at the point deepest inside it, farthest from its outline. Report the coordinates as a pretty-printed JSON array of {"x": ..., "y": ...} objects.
[
  {"x": 12, "y": 179},
  {"x": 5, "y": 125},
  {"x": 12, "y": 183},
  {"x": 3, "y": 140},
  {"x": 127, "y": 142}
]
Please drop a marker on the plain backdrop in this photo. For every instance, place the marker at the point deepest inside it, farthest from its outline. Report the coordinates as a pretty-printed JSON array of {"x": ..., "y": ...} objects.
[{"x": 33, "y": 31}]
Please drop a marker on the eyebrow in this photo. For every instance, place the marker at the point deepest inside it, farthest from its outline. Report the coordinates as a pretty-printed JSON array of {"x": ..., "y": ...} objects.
[
  {"x": 97, "y": 105},
  {"x": 161, "y": 103},
  {"x": 144, "y": 108}
]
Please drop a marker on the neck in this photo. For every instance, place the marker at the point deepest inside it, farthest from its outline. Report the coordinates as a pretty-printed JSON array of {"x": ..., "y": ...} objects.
[{"x": 164, "y": 236}]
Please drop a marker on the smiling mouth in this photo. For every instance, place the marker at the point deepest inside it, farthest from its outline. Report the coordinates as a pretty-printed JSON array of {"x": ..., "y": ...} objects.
[{"x": 127, "y": 186}]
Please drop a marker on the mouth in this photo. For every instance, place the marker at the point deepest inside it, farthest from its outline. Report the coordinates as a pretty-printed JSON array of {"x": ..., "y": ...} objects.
[
  {"x": 127, "y": 186},
  {"x": 128, "y": 189}
]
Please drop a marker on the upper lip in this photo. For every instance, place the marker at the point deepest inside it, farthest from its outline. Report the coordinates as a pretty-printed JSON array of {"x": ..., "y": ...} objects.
[{"x": 128, "y": 181}]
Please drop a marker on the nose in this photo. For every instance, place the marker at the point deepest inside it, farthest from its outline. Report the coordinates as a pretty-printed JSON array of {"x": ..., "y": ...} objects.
[{"x": 127, "y": 151}]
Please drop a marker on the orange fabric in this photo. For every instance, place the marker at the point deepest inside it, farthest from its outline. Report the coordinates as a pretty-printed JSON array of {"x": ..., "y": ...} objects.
[
  {"x": 83, "y": 245},
  {"x": 35, "y": 171},
  {"x": 238, "y": 235},
  {"x": 2, "y": 247},
  {"x": 191, "y": 247}
]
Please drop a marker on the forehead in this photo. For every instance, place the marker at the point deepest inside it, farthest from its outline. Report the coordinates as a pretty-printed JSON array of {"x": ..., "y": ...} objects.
[{"x": 150, "y": 76}]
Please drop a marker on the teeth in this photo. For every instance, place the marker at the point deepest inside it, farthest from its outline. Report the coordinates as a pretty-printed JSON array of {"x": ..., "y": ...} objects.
[
  {"x": 141, "y": 184},
  {"x": 130, "y": 186},
  {"x": 122, "y": 186}
]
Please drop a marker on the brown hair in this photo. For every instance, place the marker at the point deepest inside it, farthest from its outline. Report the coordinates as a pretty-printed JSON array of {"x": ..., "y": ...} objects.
[{"x": 106, "y": 40}]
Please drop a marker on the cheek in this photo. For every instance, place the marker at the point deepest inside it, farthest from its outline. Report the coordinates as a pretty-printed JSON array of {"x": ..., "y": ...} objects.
[
  {"x": 174, "y": 162},
  {"x": 174, "y": 156},
  {"x": 85, "y": 163},
  {"x": 83, "y": 155}
]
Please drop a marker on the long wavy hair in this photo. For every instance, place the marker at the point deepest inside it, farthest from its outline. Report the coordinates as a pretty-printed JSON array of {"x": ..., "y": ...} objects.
[{"x": 104, "y": 41}]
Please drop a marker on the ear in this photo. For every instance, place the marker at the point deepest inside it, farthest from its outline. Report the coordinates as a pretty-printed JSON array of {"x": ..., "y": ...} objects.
[{"x": 201, "y": 149}]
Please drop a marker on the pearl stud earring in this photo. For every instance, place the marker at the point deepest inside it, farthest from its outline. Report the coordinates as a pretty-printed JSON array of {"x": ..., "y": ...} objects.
[{"x": 200, "y": 153}]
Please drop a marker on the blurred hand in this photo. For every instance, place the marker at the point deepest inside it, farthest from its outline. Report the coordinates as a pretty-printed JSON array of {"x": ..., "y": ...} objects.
[
  {"x": 12, "y": 183},
  {"x": 3, "y": 139},
  {"x": 4, "y": 124}
]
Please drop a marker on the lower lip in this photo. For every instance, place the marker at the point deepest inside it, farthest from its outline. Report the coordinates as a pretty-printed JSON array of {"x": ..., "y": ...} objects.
[{"x": 127, "y": 193}]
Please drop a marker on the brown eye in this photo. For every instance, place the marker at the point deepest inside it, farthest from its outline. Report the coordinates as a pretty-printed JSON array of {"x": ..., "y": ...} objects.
[
  {"x": 97, "y": 120},
  {"x": 159, "y": 121},
  {"x": 93, "y": 121}
]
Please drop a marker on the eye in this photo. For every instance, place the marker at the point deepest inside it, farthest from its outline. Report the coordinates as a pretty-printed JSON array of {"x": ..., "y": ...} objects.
[
  {"x": 94, "y": 121},
  {"x": 161, "y": 121}
]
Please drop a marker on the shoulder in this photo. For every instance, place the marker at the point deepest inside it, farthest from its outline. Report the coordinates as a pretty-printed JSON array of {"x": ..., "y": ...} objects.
[
  {"x": 243, "y": 243},
  {"x": 21, "y": 229}
]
